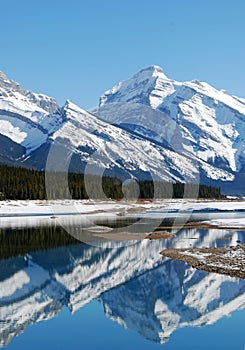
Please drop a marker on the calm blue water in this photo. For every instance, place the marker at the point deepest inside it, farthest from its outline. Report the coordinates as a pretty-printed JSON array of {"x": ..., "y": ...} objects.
[
  {"x": 86, "y": 297},
  {"x": 90, "y": 329}
]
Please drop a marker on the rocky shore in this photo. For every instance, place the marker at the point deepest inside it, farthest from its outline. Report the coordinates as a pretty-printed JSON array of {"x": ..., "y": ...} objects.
[{"x": 228, "y": 261}]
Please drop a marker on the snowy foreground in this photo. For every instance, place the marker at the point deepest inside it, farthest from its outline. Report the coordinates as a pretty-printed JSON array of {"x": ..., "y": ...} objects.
[{"x": 226, "y": 213}]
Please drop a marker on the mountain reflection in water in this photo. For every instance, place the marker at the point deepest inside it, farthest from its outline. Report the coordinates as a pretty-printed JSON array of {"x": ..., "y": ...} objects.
[{"x": 139, "y": 288}]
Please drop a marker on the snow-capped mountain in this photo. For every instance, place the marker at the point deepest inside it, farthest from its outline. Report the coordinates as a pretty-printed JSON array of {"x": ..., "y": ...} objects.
[
  {"x": 99, "y": 144},
  {"x": 146, "y": 126},
  {"x": 140, "y": 289},
  {"x": 34, "y": 124},
  {"x": 211, "y": 122},
  {"x": 150, "y": 86}
]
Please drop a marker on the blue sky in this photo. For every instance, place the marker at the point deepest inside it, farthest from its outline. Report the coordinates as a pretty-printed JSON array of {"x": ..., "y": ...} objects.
[{"x": 78, "y": 49}]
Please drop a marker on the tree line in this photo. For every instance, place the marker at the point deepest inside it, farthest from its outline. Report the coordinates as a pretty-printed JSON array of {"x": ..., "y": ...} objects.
[{"x": 22, "y": 183}]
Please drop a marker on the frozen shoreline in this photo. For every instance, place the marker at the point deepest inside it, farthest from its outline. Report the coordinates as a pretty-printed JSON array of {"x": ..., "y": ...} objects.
[
  {"x": 86, "y": 213},
  {"x": 88, "y": 206},
  {"x": 218, "y": 213}
]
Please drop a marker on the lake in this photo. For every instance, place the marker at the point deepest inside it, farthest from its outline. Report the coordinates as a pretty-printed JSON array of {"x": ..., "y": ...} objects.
[{"x": 56, "y": 292}]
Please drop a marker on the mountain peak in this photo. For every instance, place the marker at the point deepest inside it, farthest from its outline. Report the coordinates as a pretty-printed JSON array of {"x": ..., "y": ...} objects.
[
  {"x": 2, "y": 76},
  {"x": 7, "y": 83},
  {"x": 68, "y": 102},
  {"x": 149, "y": 86},
  {"x": 152, "y": 71},
  {"x": 26, "y": 98},
  {"x": 72, "y": 107}
]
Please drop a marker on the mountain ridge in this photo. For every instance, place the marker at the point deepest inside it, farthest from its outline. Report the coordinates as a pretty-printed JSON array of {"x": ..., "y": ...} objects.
[{"x": 148, "y": 125}]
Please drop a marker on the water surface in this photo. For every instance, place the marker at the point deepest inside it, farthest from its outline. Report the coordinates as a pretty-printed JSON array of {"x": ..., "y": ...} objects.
[{"x": 73, "y": 295}]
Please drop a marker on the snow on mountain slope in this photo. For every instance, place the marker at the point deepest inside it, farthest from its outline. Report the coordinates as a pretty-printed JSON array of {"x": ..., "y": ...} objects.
[
  {"x": 13, "y": 98},
  {"x": 149, "y": 86},
  {"x": 24, "y": 114},
  {"x": 104, "y": 145},
  {"x": 211, "y": 122},
  {"x": 22, "y": 132},
  {"x": 49, "y": 104}
]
